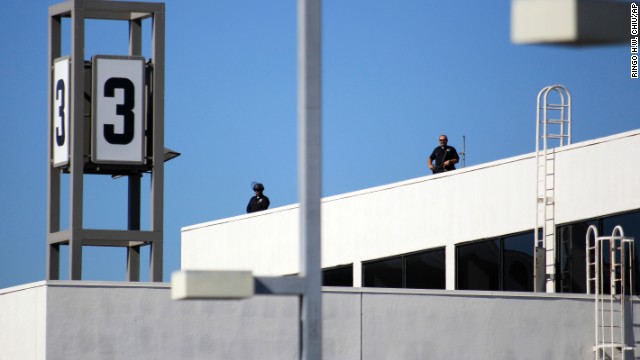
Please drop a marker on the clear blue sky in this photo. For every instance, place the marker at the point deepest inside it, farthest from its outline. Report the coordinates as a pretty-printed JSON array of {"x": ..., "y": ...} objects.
[{"x": 396, "y": 74}]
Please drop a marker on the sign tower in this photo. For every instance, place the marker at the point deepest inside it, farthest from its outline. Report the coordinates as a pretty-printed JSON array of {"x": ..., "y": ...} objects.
[{"x": 106, "y": 117}]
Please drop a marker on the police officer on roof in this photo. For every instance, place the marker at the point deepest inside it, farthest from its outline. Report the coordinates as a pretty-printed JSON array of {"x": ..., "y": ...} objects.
[
  {"x": 258, "y": 202},
  {"x": 445, "y": 157}
]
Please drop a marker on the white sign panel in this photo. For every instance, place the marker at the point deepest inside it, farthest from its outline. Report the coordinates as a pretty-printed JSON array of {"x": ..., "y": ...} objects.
[
  {"x": 118, "y": 110},
  {"x": 60, "y": 112}
]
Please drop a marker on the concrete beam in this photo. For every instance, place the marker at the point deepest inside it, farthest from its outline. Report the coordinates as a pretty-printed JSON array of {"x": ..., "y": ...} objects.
[
  {"x": 575, "y": 22},
  {"x": 191, "y": 285}
]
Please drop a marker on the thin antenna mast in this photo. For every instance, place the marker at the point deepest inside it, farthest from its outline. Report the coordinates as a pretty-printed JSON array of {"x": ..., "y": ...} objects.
[{"x": 464, "y": 151}]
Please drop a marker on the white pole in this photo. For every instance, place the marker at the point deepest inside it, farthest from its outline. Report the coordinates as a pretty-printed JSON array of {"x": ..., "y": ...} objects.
[{"x": 310, "y": 172}]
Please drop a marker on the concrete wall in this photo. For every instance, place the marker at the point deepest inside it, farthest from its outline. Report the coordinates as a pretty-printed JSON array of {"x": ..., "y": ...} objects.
[
  {"x": 23, "y": 322},
  {"x": 593, "y": 178},
  {"x": 93, "y": 320},
  {"x": 599, "y": 177}
]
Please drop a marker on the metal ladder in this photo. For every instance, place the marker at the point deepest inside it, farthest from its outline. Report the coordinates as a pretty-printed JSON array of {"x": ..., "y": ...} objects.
[
  {"x": 610, "y": 312},
  {"x": 553, "y": 125}
]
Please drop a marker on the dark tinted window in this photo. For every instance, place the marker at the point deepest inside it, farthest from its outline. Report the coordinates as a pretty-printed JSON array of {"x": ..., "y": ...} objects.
[
  {"x": 571, "y": 255},
  {"x": 338, "y": 276},
  {"x": 571, "y": 262},
  {"x": 383, "y": 273},
  {"x": 630, "y": 224},
  {"x": 425, "y": 270},
  {"x": 518, "y": 262},
  {"x": 502, "y": 264},
  {"x": 478, "y": 265}
]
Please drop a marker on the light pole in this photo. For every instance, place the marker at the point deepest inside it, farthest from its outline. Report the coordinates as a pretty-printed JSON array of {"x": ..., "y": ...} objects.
[{"x": 307, "y": 285}]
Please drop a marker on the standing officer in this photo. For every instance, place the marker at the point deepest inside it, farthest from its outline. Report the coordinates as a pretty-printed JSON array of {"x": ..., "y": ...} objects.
[
  {"x": 259, "y": 201},
  {"x": 445, "y": 157}
]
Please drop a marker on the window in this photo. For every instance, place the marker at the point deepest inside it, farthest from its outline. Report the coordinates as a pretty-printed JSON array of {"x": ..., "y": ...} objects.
[
  {"x": 425, "y": 270},
  {"x": 517, "y": 253},
  {"x": 478, "y": 265},
  {"x": 421, "y": 270},
  {"x": 571, "y": 258},
  {"x": 338, "y": 276},
  {"x": 630, "y": 223},
  {"x": 383, "y": 273},
  {"x": 504, "y": 263}
]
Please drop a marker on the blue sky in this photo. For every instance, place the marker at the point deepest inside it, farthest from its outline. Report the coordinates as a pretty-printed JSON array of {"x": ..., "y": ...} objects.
[{"x": 396, "y": 75}]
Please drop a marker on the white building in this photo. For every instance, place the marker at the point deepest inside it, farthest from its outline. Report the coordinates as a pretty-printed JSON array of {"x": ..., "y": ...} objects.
[
  {"x": 462, "y": 241},
  {"x": 469, "y": 229}
]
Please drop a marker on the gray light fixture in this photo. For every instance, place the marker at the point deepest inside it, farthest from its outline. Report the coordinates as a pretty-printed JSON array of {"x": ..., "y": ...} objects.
[
  {"x": 170, "y": 154},
  {"x": 571, "y": 22}
]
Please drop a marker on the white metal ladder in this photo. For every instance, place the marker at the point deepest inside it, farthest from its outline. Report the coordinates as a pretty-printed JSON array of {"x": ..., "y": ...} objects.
[
  {"x": 553, "y": 127},
  {"x": 610, "y": 311}
]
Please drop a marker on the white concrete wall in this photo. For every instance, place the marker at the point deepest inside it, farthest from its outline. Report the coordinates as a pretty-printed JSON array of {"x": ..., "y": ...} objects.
[
  {"x": 128, "y": 321},
  {"x": 593, "y": 178},
  {"x": 599, "y": 177},
  {"x": 467, "y": 326},
  {"x": 110, "y": 321},
  {"x": 23, "y": 322}
]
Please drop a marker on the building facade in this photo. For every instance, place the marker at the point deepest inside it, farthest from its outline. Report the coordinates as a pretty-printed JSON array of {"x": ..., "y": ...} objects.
[
  {"x": 83, "y": 320},
  {"x": 437, "y": 267},
  {"x": 469, "y": 229}
]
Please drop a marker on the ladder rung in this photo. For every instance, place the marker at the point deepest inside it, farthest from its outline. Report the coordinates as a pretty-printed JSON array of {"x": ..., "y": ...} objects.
[
  {"x": 555, "y": 106},
  {"x": 622, "y": 346}
]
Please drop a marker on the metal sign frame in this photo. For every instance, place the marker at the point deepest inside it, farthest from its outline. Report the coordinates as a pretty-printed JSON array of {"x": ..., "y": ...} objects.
[
  {"x": 75, "y": 236},
  {"x": 117, "y": 109},
  {"x": 60, "y": 111}
]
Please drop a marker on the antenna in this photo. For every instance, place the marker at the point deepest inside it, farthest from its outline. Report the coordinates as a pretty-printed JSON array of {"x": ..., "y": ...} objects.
[{"x": 463, "y": 153}]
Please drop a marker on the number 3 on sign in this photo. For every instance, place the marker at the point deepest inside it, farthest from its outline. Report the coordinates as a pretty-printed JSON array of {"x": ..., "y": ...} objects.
[
  {"x": 60, "y": 112},
  {"x": 118, "y": 110}
]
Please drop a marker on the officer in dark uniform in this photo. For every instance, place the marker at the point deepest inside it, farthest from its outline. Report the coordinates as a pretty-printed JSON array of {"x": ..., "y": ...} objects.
[
  {"x": 445, "y": 157},
  {"x": 258, "y": 202}
]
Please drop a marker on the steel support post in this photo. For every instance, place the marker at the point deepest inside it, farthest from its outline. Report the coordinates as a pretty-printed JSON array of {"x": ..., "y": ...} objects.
[
  {"x": 310, "y": 173},
  {"x": 157, "y": 179},
  {"x": 77, "y": 141},
  {"x": 53, "y": 174},
  {"x": 133, "y": 252}
]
